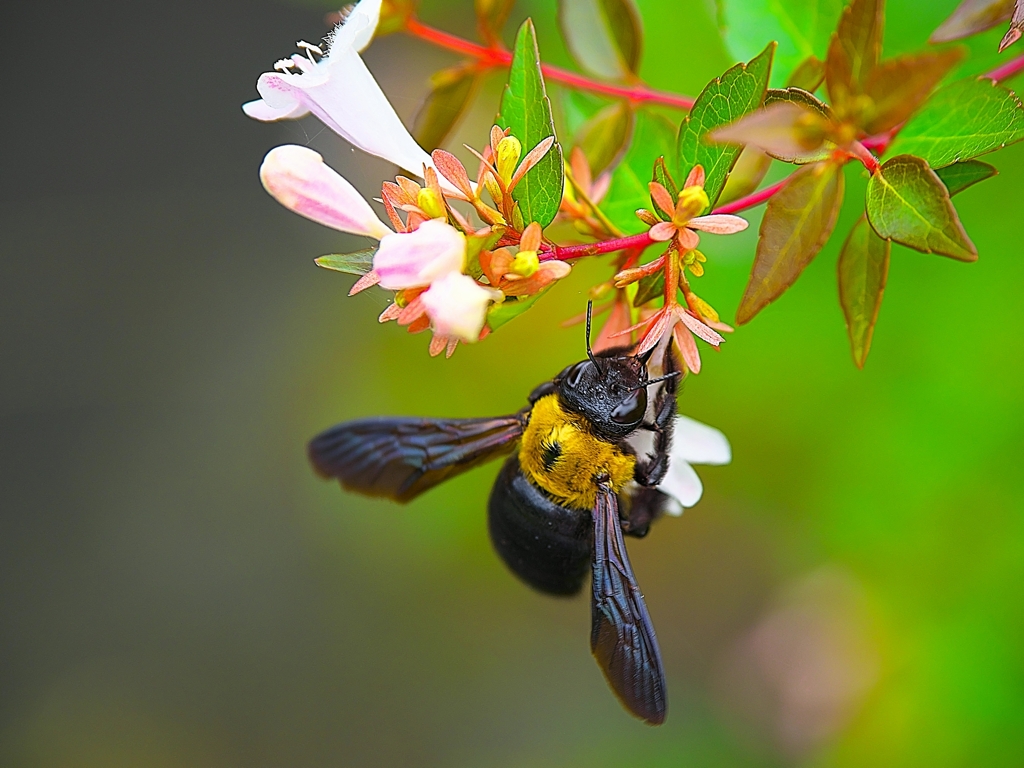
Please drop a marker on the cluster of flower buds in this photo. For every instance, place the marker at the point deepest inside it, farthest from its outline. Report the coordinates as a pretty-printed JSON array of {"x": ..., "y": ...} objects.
[{"x": 456, "y": 247}]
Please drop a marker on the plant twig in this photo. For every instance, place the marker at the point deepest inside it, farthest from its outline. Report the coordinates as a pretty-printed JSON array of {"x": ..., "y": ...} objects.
[{"x": 499, "y": 57}]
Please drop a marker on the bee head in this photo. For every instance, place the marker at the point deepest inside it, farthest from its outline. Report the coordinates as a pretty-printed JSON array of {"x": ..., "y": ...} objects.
[{"x": 611, "y": 392}]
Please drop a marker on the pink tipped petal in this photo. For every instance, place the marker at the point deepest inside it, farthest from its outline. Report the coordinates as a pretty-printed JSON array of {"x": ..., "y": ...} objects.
[
  {"x": 662, "y": 232},
  {"x": 660, "y": 326},
  {"x": 662, "y": 198},
  {"x": 533, "y": 157},
  {"x": 688, "y": 239},
  {"x": 457, "y": 306},
  {"x": 368, "y": 280},
  {"x": 391, "y": 313},
  {"x": 260, "y": 110},
  {"x": 412, "y": 259},
  {"x": 682, "y": 483},
  {"x": 687, "y": 347},
  {"x": 696, "y": 177},
  {"x": 699, "y": 329},
  {"x": 298, "y": 179},
  {"x": 719, "y": 224},
  {"x": 698, "y": 443}
]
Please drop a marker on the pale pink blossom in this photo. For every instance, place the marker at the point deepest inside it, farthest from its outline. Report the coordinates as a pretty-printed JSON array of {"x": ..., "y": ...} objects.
[
  {"x": 692, "y": 443},
  {"x": 337, "y": 87},
  {"x": 298, "y": 178},
  {"x": 457, "y": 306},
  {"x": 418, "y": 258}
]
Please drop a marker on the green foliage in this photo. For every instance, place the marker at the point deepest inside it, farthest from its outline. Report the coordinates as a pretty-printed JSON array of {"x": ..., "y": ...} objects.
[
  {"x": 959, "y": 176},
  {"x": 863, "y": 269},
  {"x": 854, "y": 52},
  {"x": 802, "y": 29},
  {"x": 511, "y": 308},
  {"x": 605, "y": 136},
  {"x": 724, "y": 100},
  {"x": 451, "y": 93},
  {"x": 796, "y": 224},
  {"x": 604, "y": 36},
  {"x": 491, "y": 16},
  {"x": 908, "y": 203},
  {"x": 654, "y": 136},
  {"x": 896, "y": 88},
  {"x": 358, "y": 263},
  {"x": 961, "y": 121},
  {"x": 526, "y": 110}
]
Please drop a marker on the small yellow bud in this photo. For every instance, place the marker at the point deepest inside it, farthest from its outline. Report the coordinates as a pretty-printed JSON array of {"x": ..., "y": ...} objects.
[
  {"x": 693, "y": 201},
  {"x": 526, "y": 263},
  {"x": 509, "y": 152},
  {"x": 701, "y": 307},
  {"x": 430, "y": 203}
]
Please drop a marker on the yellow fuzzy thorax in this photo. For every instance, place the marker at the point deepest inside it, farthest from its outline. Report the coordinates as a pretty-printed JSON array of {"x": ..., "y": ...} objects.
[{"x": 562, "y": 456}]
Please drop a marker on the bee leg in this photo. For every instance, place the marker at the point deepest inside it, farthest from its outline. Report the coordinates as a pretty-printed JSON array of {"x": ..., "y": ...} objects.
[
  {"x": 645, "y": 506},
  {"x": 652, "y": 471}
]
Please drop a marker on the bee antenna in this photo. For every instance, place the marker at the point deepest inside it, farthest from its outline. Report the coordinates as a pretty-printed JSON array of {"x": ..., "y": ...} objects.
[
  {"x": 590, "y": 351},
  {"x": 658, "y": 380}
]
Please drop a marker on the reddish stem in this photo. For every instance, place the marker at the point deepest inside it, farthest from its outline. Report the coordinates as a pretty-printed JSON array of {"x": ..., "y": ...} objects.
[
  {"x": 751, "y": 200},
  {"x": 495, "y": 57},
  {"x": 862, "y": 153},
  {"x": 1007, "y": 70},
  {"x": 567, "y": 252}
]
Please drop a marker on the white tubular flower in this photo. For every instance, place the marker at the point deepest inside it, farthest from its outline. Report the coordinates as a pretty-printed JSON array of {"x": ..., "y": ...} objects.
[
  {"x": 342, "y": 92},
  {"x": 298, "y": 179},
  {"x": 692, "y": 443},
  {"x": 417, "y": 258},
  {"x": 457, "y": 306}
]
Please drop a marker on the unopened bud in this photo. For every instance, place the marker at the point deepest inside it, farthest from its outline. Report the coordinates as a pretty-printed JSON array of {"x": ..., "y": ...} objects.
[
  {"x": 701, "y": 307},
  {"x": 692, "y": 202},
  {"x": 526, "y": 263},
  {"x": 509, "y": 152},
  {"x": 430, "y": 203},
  {"x": 493, "y": 189}
]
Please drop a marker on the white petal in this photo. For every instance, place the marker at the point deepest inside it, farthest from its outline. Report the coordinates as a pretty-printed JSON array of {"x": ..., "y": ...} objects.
[
  {"x": 457, "y": 306},
  {"x": 682, "y": 483},
  {"x": 718, "y": 224},
  {"x": 698, "y": 443},
  {"x": 358, "y": 28},
  {"x": 260, "y": 110},
  {"x": 298, "y": 179},
  {"x": 413, "y": 259}
]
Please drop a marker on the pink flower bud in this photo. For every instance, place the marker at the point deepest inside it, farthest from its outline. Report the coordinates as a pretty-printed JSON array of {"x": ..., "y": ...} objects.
[
  {"x": 457, "y": 306},
  {"x": 298, "y": 179},
  {"x": 413, "y": 259}
]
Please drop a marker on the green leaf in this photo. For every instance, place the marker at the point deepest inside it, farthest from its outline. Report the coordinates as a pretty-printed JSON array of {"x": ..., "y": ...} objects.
[
  {"x": 604, "y": 137},
  {"x": 908, "y": 203},
  {"x": 808, "y": 76},
  {"x": 511, "y": 308},
  {"x": 802, "y": 28},
  {"x": 491, "y": 16},
  {"x": 526, "y": 110},
  {"x": 604, "y": 36},
  {"x": 452, "y": 91},
  {"x": 746, "y": 176},
  {"x": 726, "y": 99},
  {"x": 863, "y": 269},
  {"x": 653, "y": 136},
  {"x": 971, "y": 17},
  {"x": 959, "y": 176},
  {"x": 650, "y": 287},
  {"x": 854, "y": 51},
  {"x": 358, "y": 263},
  {"x": 962, "y": 120},
  {"x": 797, "y": 223}
]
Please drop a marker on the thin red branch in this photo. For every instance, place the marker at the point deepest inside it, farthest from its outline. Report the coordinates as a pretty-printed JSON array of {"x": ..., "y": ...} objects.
[
  {"x": 495, "y": 57},
  {"x": 862, "y": 153},
  {"x": 567, "y": 252},
  {"x": 1007, "y": 70},
  {"x": 761, "y": 196}
]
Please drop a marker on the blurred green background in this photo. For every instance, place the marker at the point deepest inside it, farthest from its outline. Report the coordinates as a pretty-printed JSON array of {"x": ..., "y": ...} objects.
[{"x": 178, "y": 589}]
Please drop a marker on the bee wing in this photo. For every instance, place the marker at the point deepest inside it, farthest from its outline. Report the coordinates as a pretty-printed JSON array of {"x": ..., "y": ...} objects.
[
  {"x": 400, "y": 458},
  {"x": 621, "y": 635}
]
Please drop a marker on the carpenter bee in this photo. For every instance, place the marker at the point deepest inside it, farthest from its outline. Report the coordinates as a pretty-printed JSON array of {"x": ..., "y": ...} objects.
[{"x": 575, "y": 482}]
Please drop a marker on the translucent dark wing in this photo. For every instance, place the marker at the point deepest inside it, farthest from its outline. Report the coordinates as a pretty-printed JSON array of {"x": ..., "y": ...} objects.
[
  {"x": 401, "y": 457},
  {"x": 621, "y": 634}
]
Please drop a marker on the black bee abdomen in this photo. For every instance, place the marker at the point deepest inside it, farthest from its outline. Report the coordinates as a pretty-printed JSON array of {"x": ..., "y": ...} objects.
[{"x": 548, "y": 546}]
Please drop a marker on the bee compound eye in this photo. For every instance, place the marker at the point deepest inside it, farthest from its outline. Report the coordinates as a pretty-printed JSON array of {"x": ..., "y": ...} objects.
[
  {"x": 572, "y": 381},
  {"x": 632, "y": 408}
]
